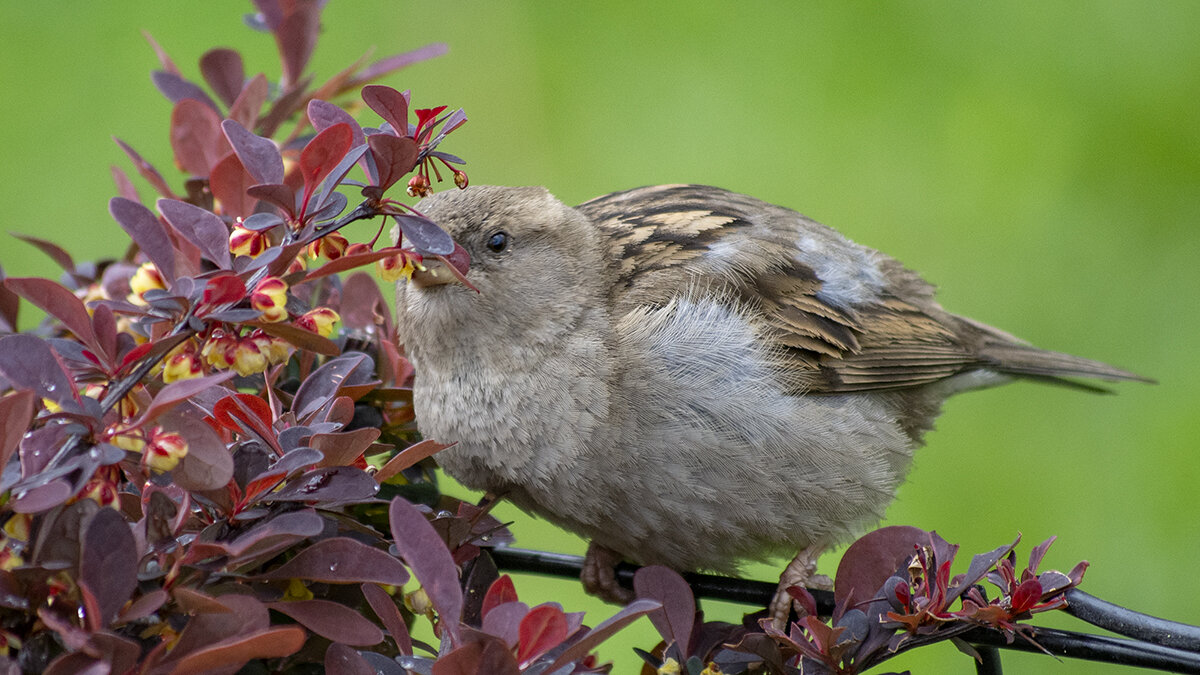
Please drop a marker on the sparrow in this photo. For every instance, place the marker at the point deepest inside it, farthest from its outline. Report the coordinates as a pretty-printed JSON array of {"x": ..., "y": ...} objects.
[{"x": 686, "y": 376}]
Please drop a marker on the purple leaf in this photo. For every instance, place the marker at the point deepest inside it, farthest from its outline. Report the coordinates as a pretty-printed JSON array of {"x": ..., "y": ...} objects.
[
  {"x": 124, "y": 186},
  {"x": 980, "y": 564},
  {"x": 259, "y": 155},
  {"x": 580, "y": 649},
  {"x": 301, "y": 339},
  {"x": 341, "y": 560},
  {"x": 222, "y": 70},
  {"x": 144, "y": 229},
  {"x": 397, "y": 61},
  {"x": 178, "y": 89},
  {"x": 62, "y": 304},
  {"x": 425, "y": 235},
  {"x": 108, "y": 562},
  {"x": 368, "y": 302},
  {"x": 319, "y": 388},
  {"x": 207, "y": 464},
  {"x": 42, "y": 497},
  {"x": 56, "y": 252},
  {"x": 279, "y": 195},
  {"x": 178, "y": 391},
  {"x": 323, "y": 115},
  {"x": 504, "y": 621},
  {"x": 200, "y": 226},
  {"x": 331, "y": 620},
  {"x": 870, "y": 560},
  {"x": 675, "y": 619},
  {"x": 29, "y": 363},
  {"x": 389, "y": 104},
  {"x": 427, "y": 556},
  {"x": 296, "y": 36},
  {"x": 489, "y": 656},
  {"x": 385, "y": 608},
  {"x": 335, "y": 485},
  {"x": 146, "y": 170},
  {"x": 16, "y": 412},
  {"x": 342, "y": 660},
  {"x": 261, "y": 222},
  {"x": 330, "y": 183}
]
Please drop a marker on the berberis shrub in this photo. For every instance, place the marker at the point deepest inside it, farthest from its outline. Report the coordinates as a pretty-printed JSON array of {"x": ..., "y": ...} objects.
[{"x": 208, "y": 451}]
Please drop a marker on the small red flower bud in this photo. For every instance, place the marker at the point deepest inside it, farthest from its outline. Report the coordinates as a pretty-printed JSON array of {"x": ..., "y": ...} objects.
[
  {"x": 321, "y": 321},
  {"x": 243, "y": 241}
]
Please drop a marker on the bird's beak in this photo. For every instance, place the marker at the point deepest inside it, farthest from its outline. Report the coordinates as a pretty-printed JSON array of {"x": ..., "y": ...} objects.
[{"x": 445, "y": 269}]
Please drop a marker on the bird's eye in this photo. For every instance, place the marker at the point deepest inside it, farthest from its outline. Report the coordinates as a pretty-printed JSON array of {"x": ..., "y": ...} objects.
[{"x": 498, "y": 241}]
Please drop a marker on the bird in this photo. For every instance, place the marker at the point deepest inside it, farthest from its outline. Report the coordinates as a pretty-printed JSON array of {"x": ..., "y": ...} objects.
[{"x": 684, "y": 375}]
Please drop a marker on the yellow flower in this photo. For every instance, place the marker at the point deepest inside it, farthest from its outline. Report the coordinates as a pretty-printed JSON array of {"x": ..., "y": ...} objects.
[
  {"x": 243, "y": 241},
  {"x": 18, "y": 526},
  {"x": 277, "y": 350},
  {"x": 322, "y": 321},
  {"x": 247, "y": 358},
  {"x": 332, "y": 246},
  {"x": 146, "y": 278},
  {"x": 100, "y": 491},
  {"x": 130, "y": 440},
  {"x": 218, "y": 349},
  {"x": 669, "y": 667},
  {"x": 182, "y": 366},
  {"x": 270, "y": 298},
  {"x": 164, "y": 450},
  {"x": 296, "y": 590},
  {"x": 396, "y": 267}
]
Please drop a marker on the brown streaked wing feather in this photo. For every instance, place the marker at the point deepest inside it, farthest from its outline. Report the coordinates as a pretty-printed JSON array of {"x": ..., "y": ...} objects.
[{"x": 657, "y": 231}]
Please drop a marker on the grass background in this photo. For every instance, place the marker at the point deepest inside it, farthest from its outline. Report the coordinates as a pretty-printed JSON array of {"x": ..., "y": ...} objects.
[{"x": 1039, "y": 163}]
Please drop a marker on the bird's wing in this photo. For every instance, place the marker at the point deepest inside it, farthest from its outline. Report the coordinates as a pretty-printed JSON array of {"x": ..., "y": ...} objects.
[{"x": 843, "y": 317}]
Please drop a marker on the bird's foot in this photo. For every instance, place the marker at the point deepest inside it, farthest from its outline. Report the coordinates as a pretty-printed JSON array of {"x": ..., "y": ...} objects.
[
  {"x": 802, "y": 571},
  {"x": 599, "y": 575}
]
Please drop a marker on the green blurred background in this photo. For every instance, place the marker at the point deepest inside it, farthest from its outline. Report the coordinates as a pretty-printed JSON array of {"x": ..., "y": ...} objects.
[{"x": 1039, "y": 161}]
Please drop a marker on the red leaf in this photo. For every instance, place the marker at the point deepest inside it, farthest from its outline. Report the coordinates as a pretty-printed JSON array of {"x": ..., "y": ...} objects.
[
  {"x": 222, "y": 70},
  {"x": 249, "y": 103},
  {"x": 60, "y": 303},
  {"x": 323, "y": 153},
  {"x": 343, "y": 447},
  {"x": 394, "y": 157},
  {"x": 542, "y": 629},
  {"x": 408, "y": 457},
  {"x": 500, "y": 592},
  {"x": 16, "y": 411},
  {"x": 323, "y": 115},
  {"x": 125, "y": 186},
  {"x": 389, "y": 104},
  {"x": 341, "y": 560},
  {"x": 196, "y": 137},
  {"x": 580, "y": 648},
  {"x": 253, "y": 411},
  {"x": 224, "y": 288},
  {"x": 1026, "y": 596},
  {"x": 235, "y": 652},
  {"x": 332, "y": 620},
  {"x": 427, "y": 556}
]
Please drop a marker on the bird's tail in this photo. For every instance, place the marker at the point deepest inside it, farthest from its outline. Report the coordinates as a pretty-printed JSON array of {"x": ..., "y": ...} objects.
[{"x": 1012, "y": 356}]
